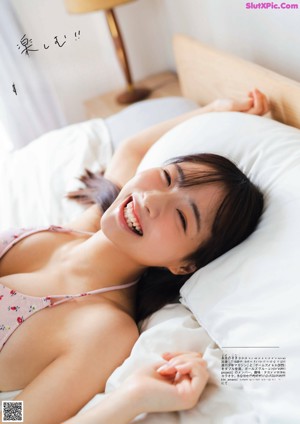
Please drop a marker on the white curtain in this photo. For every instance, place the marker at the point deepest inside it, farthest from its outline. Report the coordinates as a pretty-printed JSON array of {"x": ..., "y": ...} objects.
[{"x": 34, "y": 110}]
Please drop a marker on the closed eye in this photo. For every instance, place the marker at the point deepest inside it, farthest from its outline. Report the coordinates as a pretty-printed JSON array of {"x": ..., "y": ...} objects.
[
  {"x": 182, "y": 219},
  {"x": 167, "y": 177}
]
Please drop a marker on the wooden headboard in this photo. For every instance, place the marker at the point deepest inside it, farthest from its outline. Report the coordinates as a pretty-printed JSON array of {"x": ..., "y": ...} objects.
[{"x": 206, "y": 74}]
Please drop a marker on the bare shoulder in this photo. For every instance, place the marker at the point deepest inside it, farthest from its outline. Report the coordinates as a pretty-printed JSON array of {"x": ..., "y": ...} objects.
[
  {"x": 101, "y": 332},
  {"x": 100, "y": 323},
  {"x": 96, "y": 338},
  {"x": 89, "y": 220}
]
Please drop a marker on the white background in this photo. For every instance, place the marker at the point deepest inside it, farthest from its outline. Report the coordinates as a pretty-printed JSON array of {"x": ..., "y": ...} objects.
[{"x": 87, "y": 67}]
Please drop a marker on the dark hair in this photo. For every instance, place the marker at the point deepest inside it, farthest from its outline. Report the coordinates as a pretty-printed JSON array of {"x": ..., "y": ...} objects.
[
  {"x": 97, "y": 190},
  {"x": 239, "y": 211},
  {"x": 236, "y": 218}
]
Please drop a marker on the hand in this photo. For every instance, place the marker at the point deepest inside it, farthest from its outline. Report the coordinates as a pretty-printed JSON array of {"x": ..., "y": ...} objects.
[
  {"x": 173, "y": 385},
  {"x": 256, "y": 104}
]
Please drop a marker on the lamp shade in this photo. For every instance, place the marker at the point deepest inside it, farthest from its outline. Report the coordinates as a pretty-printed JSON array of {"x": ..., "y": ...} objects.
[{"x": 84, "y": 6}]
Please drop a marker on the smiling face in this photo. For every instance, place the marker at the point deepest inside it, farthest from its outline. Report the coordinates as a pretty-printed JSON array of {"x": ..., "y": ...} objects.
[{"x": 158, "y": 223}]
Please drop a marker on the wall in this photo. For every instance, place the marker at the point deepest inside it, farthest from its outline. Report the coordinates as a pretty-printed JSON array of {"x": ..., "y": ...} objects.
[
  {"x": 269, "y": 37},
  {"x": 87, "y": 67}
]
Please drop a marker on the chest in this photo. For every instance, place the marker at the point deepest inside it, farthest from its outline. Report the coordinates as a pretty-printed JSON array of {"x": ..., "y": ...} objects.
[
  {"x": 42, "y": 263},
  {"x": 37, "y": 250}
]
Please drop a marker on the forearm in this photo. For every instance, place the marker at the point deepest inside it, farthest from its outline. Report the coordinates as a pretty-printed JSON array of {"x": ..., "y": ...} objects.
[
  {"x": 130, "y": 153},
  {"x": 173, "y": 385},
  {"x": 116, "y": 408}
]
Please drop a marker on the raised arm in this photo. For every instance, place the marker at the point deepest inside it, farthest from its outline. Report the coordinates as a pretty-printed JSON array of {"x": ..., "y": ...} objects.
[
  {"x": 129, "y": 154},
  {"x": 131, "y": 151}
]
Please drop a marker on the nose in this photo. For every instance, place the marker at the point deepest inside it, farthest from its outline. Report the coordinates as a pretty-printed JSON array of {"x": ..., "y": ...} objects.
[{"x": 156, "y": 202}]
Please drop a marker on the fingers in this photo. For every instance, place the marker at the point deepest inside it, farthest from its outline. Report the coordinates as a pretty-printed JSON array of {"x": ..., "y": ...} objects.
[
  {"x": 256, "y": 104},
  {"x": 266, "y": 104},
  {"x": 199, "y": 378},
  {"x": 187, "y": 368},
  {"x": 189, "y": 382},
  {"x": 242, "y": 105},
  {"x": 168, "y": 355},
  {"x": 174, "y": 384},
  {"x": 260, "y": 103},
  {"x": 182, "y": 363},
  {"x": 167, "y": 369},
  {"x": 195, "y": 374},
  {"x": 175, "y": 359}
]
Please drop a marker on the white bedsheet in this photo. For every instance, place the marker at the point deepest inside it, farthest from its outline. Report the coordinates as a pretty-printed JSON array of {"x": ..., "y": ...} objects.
[
  {"x": 174, "y": 328},
  {"x": 34, "y": 180}
]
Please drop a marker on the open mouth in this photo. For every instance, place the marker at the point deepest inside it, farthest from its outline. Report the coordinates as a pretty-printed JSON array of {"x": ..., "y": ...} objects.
[{"x": 131, "y": 219}]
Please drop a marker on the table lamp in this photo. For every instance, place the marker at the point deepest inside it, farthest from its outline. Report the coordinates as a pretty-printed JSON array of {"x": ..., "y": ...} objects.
[{"x": 132, "y": 94}]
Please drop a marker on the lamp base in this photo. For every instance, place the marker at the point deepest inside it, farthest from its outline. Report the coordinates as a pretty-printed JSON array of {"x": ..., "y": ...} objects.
[{"x": 133, "y": 95}]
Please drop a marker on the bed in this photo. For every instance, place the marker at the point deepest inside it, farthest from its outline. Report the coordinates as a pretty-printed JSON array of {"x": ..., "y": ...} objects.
[{"x": 243, "y": 305}]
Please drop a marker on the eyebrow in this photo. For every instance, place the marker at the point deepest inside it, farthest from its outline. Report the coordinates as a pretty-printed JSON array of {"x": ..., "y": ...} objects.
[
  {"x": 196, "y": 214},
  {"x": 181, "y": 178}
]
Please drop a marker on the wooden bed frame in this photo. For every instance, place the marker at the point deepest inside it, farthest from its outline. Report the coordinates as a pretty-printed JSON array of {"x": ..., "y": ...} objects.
[{"x": 206, "y": 74}]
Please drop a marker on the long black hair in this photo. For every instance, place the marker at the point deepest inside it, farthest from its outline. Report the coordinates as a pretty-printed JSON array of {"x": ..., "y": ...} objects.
[{"x": 235, "y": 219}]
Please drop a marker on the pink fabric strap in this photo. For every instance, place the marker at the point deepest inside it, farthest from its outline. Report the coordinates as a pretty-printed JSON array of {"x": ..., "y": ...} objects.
[{"x": 67, "y": 297}]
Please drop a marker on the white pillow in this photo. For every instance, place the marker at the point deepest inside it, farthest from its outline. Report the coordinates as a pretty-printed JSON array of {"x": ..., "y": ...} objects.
[
  {"x": 140, "y": 115},
  {"x": 250, "y": 297}
]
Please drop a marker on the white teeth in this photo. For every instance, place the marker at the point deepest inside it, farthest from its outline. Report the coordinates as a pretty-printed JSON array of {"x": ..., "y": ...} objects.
[{"x": 130, "y": 218}]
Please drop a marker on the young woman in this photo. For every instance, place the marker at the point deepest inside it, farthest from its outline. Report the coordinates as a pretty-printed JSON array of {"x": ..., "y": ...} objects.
[{"x": 60, "y": 349}]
